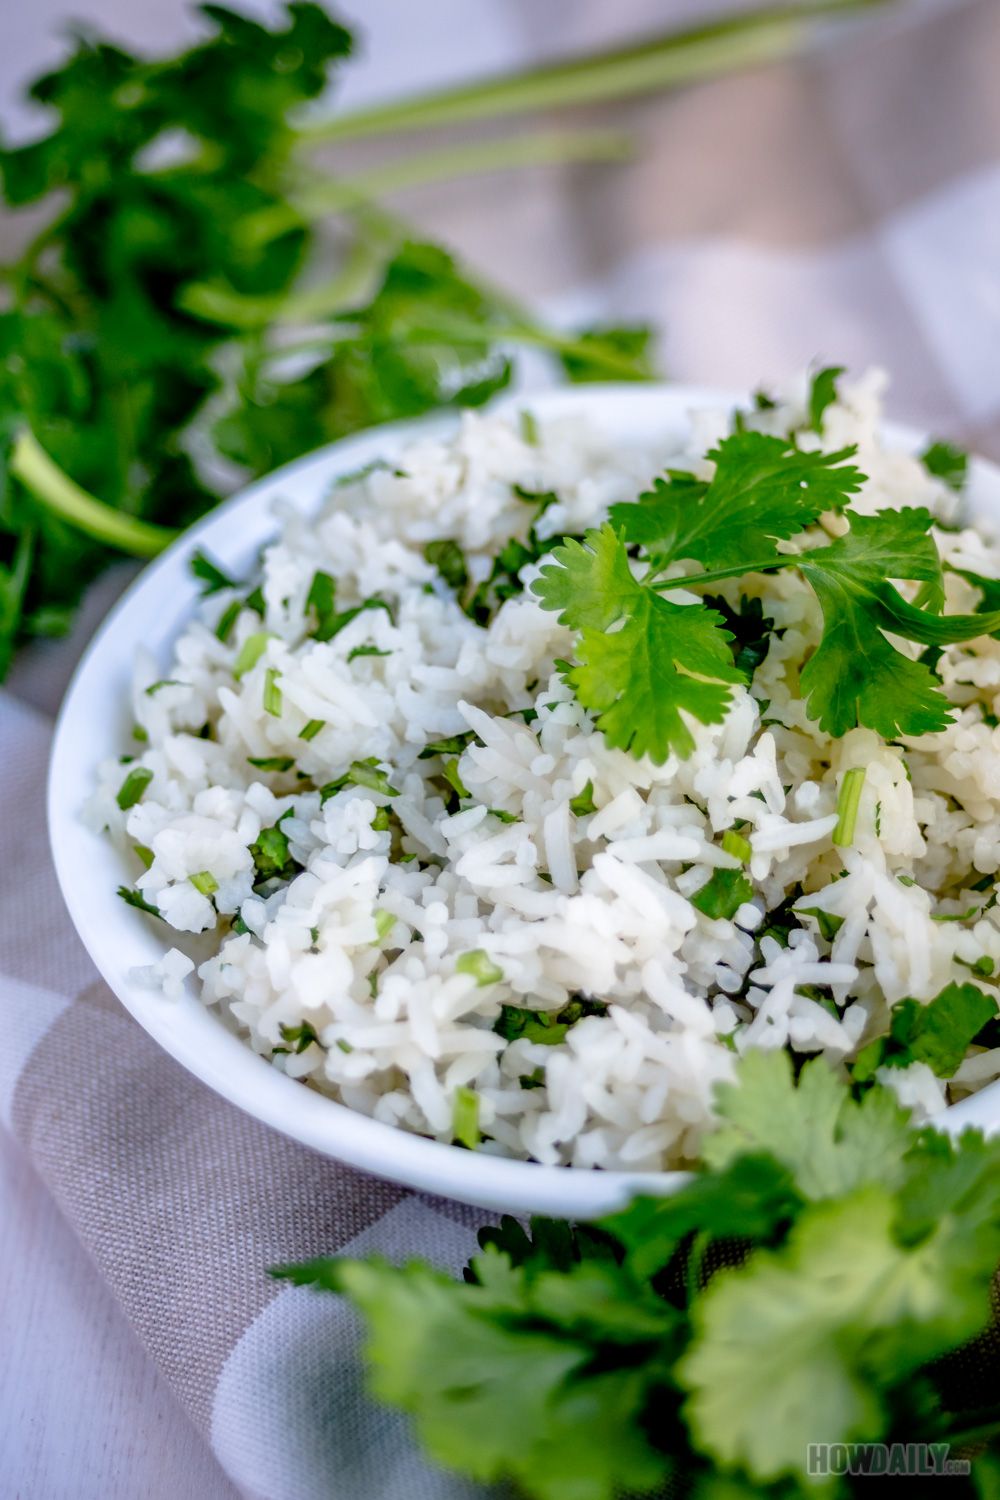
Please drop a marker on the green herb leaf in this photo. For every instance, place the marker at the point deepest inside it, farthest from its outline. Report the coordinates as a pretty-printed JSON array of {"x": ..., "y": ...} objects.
[
  {"x": 312, "y": 729},
  {"x": 271, "y": 856},
  {"x": 133, "y": 898},
  {"x": 272, "y": 692},
  {"x": 822, "y": 393},
  {"x": 638, "y": 679},
  {"x": 272, "y": 762},
  {"x": 205, "y": 882},
  {"x": 830, "y": 1143},
  {"x": 250, "y": 652},
  {"x": 212, "y": 576},
  {"x": 723, "y": 894},
  {"x": 478, "y": 963},
  {"x": 940, "y": 1032},
  {"x": 764, "y": 489},
  {"x": 133, "y": 786},
  {"x": 361, "y": 773},
  {"x": 947, "y": 462}
]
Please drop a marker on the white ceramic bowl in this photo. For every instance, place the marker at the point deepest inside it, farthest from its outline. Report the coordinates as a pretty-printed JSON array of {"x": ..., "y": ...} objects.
[{"x": 95, "y": 722}]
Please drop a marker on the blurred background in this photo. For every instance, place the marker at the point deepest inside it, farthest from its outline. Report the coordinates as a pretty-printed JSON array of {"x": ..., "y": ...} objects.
[{"x": 841, "y": 205}]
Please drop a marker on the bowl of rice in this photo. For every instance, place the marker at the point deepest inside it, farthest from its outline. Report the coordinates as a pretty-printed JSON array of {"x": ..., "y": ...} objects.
[{"x": 336, "y": 828}]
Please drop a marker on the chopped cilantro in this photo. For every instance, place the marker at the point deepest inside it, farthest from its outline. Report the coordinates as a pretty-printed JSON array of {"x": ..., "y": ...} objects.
[
  {"x": 210, "y": 574},
  {"x": 272, "y": 762},
  {"x": 133, "y": 898},
  {"x": 255, "y": 601},
  {"x": 453, "y": 745},
  {"x": 271, "y": 856},
  {"x": 366, "y": 651},
  {"x": 272, "y": 692},
  {"x": 312, "y": 729},
  {"x": 380, "y": 822},
  {"x": 848, "y": 801},
  {"x": 465, "y": 1118},
  {"x": 250, "y": 652},
  {"x": 205, "y": 882},
  {"x": 528, "y": 424},
  {"x": 479, "y": 964},
  {"x": 146, "y": 855},
  {"x": 829, "y": 924},
  {"x": 320, "y": 598},
  {"x": 723, "y": 894},
  {"x": 228, "y": 620},
  {"x": 164, "y": 682},
  {"x": 822, "y": 393},
  {"x": 545, "y": 1026},
  {"x": 583, "y": 803},
  {"x": 449, "y": 560},
  {"x": 938, "y": 1033},
  {"x": 300, "y": 1037},
  {"x": 361, "y": 773},
  {"x": 133, "y": 786},
  {"x": 453, "y": 778},
  {"x": 505, "y": 817},
  {"x": 947, "y": 462},
  {"x": 384, "y": 923},
  {"x": 138, "y": 733},
  {"x": 735, "y": 844}
]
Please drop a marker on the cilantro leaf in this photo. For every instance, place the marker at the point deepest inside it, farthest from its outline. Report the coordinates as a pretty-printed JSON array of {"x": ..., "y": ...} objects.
[
  {"x": 750, "y": 1198},
  {"x": 764, "y": 489},
  {"x": 948, "y": 462},
  {"x": 638, "y": 679},
  {"x": 938, "y": 1033},
  {"x": 786, "y": 1346},
  {"x": 489, "y": 1371},
  {"x": 210, "y": 574},
  {"x": 723, "y": 894},
  {"x": 856, "y": 676},
  {"x": 822, "y": 393},
  {"x": 830, "y": 1143}
]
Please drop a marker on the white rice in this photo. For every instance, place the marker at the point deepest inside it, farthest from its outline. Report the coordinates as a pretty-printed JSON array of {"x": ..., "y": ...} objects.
[{"x": 368, "y": 948}]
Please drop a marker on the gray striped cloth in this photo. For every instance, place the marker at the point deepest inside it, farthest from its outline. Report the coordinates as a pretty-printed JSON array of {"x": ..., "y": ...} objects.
[{"x": 844, "y": 207}]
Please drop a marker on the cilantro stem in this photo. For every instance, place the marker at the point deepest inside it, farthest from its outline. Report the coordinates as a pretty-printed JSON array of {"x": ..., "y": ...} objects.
[
  {"x": 762, "y": 565},
  {"x": 552, "y": 148},
  {"x": 665, "y": 61},
  {"x": 49, "y": 484},
  {"x": 847, "y": 806}
]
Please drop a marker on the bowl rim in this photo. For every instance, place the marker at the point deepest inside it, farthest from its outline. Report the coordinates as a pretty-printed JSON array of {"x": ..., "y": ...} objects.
[{"x": 92, "y": 724}]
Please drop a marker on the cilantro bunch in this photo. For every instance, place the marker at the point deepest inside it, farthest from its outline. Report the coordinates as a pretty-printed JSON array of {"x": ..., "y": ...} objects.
[
  {"x": 810, "y": 1285},
  {"x": 175, "y": 327},
  {"x": 643, "y": 661}
]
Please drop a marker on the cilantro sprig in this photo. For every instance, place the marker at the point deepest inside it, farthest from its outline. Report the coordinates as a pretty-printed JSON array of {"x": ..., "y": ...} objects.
[
  {"x": 642, "y": 662},
  {"x": 805, "y": 1287}
]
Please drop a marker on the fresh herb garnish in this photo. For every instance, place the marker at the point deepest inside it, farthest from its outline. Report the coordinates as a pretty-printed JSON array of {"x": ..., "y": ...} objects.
[
  {"x": 250, "y": 652},
  {"x": 545, "y": 1026},
  {"x": 271, "y": 762},
  {"x": 210, "y": 574},
  {"x": 938, "y": 1033},
  {"x": 312, "y": 729},
  {"x": 133, "y": 786},
  {"x": 802, "y": 1288},
  {"x": 271, "y": 856},
  {"x": 666, "y": 660},
  {"x": 133, "y": 898},
  {"x": 723, "y": 894},
  {"x": 272, "y": 692},
  {"x": 361, "y": 773},
  {"x": 948, "y": 462},
  {"x": 298, "y": 1037},
  {"x": 822, "y": 393}
]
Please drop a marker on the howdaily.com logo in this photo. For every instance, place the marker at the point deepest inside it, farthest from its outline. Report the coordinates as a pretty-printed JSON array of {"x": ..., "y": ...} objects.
[{"x": 928, "y": 1460}]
